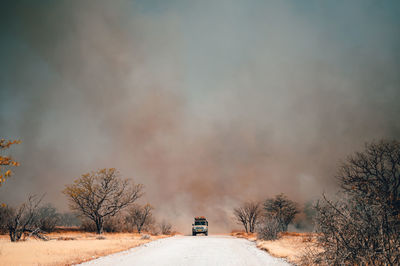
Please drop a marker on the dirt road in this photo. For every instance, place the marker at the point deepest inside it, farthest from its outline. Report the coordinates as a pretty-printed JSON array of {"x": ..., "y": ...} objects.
[{"x": 192, "y": 250}]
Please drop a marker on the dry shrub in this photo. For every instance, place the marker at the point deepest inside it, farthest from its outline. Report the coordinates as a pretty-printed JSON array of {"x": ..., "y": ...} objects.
[
  {"x": 23, "y": 222},
  {"x": 47, "y": 218},
  {"x": 268, "y": 229},
  {"x": 141, "y": 217},
  {"x": 363, "y": 226},
  {"x": 5, "y": 214},
  {"x": 88, "y": 226},
  {"x": 115, "y": 224},
  {"x": 165, "y": 227},
  {"x": 68, "y": 219},
  {"x": 312, "y": 255},
  {"x": 355, "y": 233},
  {"x": 145, "y": 236}
]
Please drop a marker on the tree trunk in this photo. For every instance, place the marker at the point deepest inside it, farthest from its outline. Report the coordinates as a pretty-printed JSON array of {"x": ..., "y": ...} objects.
[
  {"x": 12, "y": 235},
  {"x": 99, "y": 225},
  {"x": 15, "y": 235}
]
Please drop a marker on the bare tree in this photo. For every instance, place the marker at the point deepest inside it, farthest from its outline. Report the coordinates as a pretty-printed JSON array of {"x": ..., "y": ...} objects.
[
  {"x": 101, "y": 194},
  {"x": 248, "y": 214},
  {"x": 373, "y": 176},
  {"x": 140, "y": 216},
  {"x": 23, "y": 221},
  {"x": 282, "y": 209},
  {"x": 241, "y": 217},
  {"x": 363, "y": 227}
]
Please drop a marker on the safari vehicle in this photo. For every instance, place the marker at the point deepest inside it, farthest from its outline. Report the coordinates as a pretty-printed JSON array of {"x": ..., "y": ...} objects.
[{"x": 200, "y": 226}]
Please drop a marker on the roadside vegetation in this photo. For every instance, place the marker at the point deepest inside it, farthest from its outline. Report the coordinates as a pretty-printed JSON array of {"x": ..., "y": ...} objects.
[
  {"x": 102, "y": 194},
  {"x": 358, "y": 226},
  {"x": 362, "y": 226},
  {"x": 267, "y": 218},
  {"x": 68, "y": 246},
  {"x": 101, "y": 203}
]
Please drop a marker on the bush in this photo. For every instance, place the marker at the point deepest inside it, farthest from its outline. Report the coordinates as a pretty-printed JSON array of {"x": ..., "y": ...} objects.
[
  {"x": 116, "y": 224},
  {"x": 165, "y": 228},
  {"x": 363, "y": 227},
  {"x": 88, "y": 226},
  {"x": 141, "y": 217},
  {"x": 47, "y": 218},
  {"x": 23, "y": 222},
  {"x": 5, "y": 214},
  {"x": 68, "y": 219},
  {"x": 268, "y": 229},
  {"x": 145, "y": 236}
]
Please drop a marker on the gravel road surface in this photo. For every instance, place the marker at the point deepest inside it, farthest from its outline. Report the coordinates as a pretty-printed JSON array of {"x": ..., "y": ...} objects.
[{"x": 192, "y": 250}]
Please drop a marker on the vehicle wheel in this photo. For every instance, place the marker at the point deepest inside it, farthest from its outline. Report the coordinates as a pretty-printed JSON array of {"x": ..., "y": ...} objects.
[
  {"x": 193, "y": 234},
  {"x": 206, "y": 233}
]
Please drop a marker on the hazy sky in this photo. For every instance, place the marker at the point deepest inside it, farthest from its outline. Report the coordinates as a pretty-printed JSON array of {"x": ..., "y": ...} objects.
[{"x": 206, "y": 103}]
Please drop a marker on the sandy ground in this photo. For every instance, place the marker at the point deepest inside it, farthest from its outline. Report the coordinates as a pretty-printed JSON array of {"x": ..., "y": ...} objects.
[
  {"x": 192, "y": 250},
  {"x": 66, "y": 248}
]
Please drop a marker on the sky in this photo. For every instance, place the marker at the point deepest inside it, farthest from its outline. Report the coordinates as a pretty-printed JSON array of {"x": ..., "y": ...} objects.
[{"x": 206, "y": 103}]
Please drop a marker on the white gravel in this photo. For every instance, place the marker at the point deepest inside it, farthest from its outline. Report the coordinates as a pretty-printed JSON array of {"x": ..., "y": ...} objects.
[{"x": 192, "y": 250}]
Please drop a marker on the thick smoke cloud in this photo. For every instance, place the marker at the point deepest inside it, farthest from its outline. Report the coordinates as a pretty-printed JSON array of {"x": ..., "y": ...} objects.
[{"x": 206, "y": 103}]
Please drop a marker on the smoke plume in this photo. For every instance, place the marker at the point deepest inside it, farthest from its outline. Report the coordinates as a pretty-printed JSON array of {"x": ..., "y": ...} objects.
[{"x": 206, "y": 103}]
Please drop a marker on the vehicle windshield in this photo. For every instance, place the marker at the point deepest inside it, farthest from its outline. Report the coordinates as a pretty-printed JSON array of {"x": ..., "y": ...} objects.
[{"x": 200, "y": 223}]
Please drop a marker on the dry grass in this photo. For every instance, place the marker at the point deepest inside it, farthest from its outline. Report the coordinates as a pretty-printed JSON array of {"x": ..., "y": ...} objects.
[
  {"x": 290, "y": 246},
  {"x": 241, "y": 234},
  {"x": 67, "y": 247}
]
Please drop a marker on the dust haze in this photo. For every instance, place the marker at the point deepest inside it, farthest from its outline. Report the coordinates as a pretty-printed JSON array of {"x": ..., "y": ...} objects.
[{"x": 206, "y": 103}]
